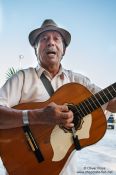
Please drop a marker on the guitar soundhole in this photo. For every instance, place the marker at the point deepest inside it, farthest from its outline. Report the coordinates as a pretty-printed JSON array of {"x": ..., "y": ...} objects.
[{"x": 78, "y": 121}]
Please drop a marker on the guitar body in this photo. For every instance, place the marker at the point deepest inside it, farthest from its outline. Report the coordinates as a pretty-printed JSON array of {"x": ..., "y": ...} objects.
[{"x": 55, "y": 145}]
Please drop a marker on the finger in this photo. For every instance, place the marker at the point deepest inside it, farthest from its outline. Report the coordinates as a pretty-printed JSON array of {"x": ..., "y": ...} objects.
[
  {"x": 69, "y": 125},
  {"x": 67, "y": 115},
  {"x": 68, "y": 120},
  {"x": 64, "y": 108}
]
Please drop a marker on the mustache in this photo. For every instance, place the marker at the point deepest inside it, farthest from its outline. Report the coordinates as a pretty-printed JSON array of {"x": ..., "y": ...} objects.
[{"x": 50, "y": 49}]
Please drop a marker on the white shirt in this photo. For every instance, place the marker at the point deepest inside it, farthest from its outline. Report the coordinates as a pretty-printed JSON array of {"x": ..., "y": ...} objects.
[{"x": 26, "y": 86}]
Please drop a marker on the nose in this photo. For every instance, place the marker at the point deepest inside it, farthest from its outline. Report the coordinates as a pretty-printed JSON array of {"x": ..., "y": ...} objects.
[{"x": 50, "y": 41}]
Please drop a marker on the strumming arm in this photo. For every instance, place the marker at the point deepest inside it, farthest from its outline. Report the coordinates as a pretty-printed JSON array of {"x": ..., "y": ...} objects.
[
  {"x": 58, "y": 114},
  {"x": 10, "y": 118}
]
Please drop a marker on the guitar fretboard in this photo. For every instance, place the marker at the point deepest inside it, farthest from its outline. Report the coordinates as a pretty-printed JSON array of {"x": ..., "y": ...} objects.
[{"x": 97, "y": 100}]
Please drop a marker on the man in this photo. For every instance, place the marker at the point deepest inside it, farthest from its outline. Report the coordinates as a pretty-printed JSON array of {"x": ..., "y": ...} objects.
[{"x": 50, "y": 43}]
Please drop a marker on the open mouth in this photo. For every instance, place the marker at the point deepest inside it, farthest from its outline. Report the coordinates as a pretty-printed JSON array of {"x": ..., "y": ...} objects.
[{"x": 51, "y": 53}]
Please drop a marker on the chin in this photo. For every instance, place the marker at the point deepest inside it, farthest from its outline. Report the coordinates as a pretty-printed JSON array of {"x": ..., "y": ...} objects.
[{"x": 52, "y": 60}]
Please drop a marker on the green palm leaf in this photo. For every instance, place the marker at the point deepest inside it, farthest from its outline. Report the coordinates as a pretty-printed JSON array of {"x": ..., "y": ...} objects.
[{"x": 11, "y": 71}]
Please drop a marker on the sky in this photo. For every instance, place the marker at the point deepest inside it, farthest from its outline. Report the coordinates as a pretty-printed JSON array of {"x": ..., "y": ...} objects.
[{"x": 92, "y": 24}]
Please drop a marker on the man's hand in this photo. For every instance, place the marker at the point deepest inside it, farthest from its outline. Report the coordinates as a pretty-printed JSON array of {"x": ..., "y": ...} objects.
[{"x": 55, "y": 114}]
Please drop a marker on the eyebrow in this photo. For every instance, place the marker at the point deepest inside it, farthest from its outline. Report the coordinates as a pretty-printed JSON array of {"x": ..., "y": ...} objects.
[
  {"x": 44, "y": 34},
  {"x": 56, "y": 34}
]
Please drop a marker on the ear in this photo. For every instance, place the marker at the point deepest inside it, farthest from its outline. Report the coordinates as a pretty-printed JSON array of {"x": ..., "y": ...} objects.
[
  {"x": 64, "y": 50},
  {"x": 35, "y": 48}
]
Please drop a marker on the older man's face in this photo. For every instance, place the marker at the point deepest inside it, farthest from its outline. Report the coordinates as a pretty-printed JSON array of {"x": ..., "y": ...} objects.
[{"x": 50, "y": 48}]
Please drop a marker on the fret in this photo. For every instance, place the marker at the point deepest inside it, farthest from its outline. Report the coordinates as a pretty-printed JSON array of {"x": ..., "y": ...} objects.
[
  {"x": 114, "y": 86},
  {"x": 114, "y": 89},
  {"x": 99, "y": 93},
  {"x": 93, "y": 102},
  {"x": 87, "y": 106},
  {"x": 78, "y": 111},
  {"x": 79, "y": 107},
  {"x": 97, "y": 100},
  {"x": 84, "y": 107},
  {"x": 110, "y": 92},
  {"x": 105, "y": 95}
]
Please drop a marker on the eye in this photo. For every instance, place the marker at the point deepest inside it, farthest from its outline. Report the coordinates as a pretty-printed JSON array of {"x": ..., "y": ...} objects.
[
  {"x": 58, "y": 39},
  {"x": 44, "y": 38}
]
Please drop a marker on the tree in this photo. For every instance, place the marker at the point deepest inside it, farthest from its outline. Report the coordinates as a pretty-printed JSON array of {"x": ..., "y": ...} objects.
[{"x": 11, "y": 71}]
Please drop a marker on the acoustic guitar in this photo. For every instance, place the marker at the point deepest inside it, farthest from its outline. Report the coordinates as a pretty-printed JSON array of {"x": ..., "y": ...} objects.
[{"x": 44, "y": 149}]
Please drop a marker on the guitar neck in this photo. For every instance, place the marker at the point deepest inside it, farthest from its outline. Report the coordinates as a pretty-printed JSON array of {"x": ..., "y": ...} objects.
[{"x": 97, "y": 100}]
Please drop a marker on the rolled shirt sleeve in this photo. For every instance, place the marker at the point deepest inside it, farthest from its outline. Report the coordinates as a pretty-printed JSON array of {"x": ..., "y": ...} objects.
[{"x": 10, "y": 93}]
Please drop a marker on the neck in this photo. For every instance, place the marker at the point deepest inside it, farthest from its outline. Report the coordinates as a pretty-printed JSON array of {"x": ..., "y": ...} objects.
[{"x": 53, "y": 69}]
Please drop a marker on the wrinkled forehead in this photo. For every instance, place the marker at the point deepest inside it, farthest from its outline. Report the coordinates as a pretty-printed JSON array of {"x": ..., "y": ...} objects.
[{"x": 49, "y": 33}]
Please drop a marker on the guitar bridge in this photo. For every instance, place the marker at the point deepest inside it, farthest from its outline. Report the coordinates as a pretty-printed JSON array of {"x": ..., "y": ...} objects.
[{"x": 32, "y": 143}]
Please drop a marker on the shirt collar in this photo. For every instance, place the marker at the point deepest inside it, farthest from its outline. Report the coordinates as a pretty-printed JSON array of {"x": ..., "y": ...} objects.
[{"x": 40, "y": 70}]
